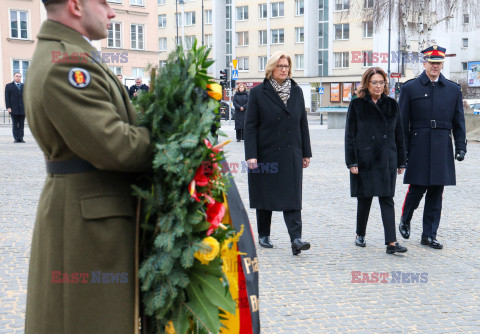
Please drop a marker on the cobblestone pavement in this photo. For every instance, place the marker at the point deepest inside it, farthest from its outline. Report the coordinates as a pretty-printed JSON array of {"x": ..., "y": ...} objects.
[{"x": 313, "y": 292}]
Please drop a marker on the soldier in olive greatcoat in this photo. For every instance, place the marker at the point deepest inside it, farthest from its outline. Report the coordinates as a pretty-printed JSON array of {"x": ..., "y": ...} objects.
[{"x": 82, "y": 263}]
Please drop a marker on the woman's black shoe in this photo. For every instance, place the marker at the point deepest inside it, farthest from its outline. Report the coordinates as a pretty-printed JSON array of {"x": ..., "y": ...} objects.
[
  {"x": 397, "y": 248},
  {"x": 265, "y": 242},
  {"x": 360, "y": 241}
]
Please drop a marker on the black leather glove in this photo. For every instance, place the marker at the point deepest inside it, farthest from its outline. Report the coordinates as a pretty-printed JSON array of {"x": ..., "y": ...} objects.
[{"x": 459, "y": 155}]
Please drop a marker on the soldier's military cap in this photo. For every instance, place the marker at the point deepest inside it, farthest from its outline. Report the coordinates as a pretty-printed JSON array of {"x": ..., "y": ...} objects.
[{"x": 434, "y": 54}]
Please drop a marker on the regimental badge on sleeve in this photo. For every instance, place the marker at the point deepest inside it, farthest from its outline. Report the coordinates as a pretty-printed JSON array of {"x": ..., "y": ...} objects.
[{"x": 79, "y": 77}]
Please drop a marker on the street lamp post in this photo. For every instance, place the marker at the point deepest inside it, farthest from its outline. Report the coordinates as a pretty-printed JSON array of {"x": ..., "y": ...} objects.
[{"x": 176, "y": 14}]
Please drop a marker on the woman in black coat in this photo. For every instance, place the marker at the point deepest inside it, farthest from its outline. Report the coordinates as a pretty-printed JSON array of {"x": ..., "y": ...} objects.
[
  {"x": 375, "y": 153},
  {"x": 277, "y": 148},
  {"x": 240, "y": 101}
]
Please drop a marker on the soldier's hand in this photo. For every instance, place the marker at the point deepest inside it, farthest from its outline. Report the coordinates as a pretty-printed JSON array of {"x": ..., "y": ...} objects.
[
  {"x": 459, "y": 155},
  {"x": 354, "y": 170},
  {"x": 9, "y": 110}
]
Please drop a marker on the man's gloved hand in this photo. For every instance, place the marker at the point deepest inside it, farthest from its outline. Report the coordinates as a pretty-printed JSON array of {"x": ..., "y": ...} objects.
[{"x": 459, "y": 155}]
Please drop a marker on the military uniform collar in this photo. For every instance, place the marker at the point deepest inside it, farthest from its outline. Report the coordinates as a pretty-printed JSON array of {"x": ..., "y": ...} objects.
[
  {"x": 57, "y": 31},
  {"x": 426, "y": 80}
]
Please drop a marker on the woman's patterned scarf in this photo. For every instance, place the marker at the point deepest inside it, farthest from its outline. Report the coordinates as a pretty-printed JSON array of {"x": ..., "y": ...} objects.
[{"x": 283, "y": 90}]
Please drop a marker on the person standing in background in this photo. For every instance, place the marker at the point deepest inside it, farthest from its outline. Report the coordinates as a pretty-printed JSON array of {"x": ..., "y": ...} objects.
[
  {"x": 134, "y": 88},
  {"x": 120, "y": 78},
  {"x": 15, "y": 107},
  {"x": 240, "y": 101}
]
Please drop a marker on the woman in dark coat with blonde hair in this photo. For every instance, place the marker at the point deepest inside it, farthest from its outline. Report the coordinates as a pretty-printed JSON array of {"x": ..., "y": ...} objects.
[
  {"x": 375, "y": 153},
  {"x": 277, "y": 148}
]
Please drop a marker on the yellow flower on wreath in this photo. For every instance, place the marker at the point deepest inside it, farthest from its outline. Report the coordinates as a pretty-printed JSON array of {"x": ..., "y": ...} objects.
[{"x": 207, "y": 255}]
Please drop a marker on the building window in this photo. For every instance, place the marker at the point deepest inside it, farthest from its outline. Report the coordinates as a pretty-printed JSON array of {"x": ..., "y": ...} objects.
[
  {"x": 342, "y": 5},
  {"x": 162, "y": 44},
  {"x": 466, "y": 18},
  {"x": 162, "y": 2},
  {"x": 242, "y": 13},
  {"x": 162, "y": 63},
  {"x": 465, "y": 66},
  {"x": 189, "y": 40},
  {"x": 299, "y": 62},
  {"x": 162, "y": 21},
  {"x": 117, "y": 70},
  {"x": 243, "y": 63},
  {"x": 465, "y": 42},
  {"x": 367, "y": 58},
  {"x": 262, "y": 37},
  {"x": 189, "y": 18},
  {"x": 299, "y": 35},
  {"x": 18, "y": 24},
  {"x": 115, "y": 1},
  {"x": 208, "y": 41},
  {"x": 262, "y": 62},
  {"x": 341, "y": 59},
  {"x": 342, "y": 31},
  {"x": 208, "y": 16},
  {"x": 299, "y": 7},
  {"x": 368, "y": 4},
  {"x": 242, "y": 38},
  {"x": 178, "y": 19},
  {"x": 138, "y": 72},
  {"x": 277, "y": 36},
  {"x": 262, "y": 11},
  {"x": 368, "y": 29},
  {"x": 137, "y": 3},
  {"x": 277, "y": 9},
  {"x": 114, "y": 39},
  {"x": 137, "y": 36},
  {"x": 20, "y": 66}
]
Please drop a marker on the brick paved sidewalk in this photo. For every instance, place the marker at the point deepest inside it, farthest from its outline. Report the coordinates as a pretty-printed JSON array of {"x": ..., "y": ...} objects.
[{"x": 311, "y": 293}]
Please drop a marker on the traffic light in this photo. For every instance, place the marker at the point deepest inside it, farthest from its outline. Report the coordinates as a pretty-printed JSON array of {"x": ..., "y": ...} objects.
[{"x": 224, "y": 78}]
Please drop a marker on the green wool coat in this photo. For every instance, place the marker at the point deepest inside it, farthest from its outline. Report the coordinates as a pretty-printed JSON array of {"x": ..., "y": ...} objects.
[{"x": 81, "y": 276}]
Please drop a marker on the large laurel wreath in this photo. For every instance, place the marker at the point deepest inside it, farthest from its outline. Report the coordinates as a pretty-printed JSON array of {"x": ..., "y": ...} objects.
[{"x": 183, "y": 284}]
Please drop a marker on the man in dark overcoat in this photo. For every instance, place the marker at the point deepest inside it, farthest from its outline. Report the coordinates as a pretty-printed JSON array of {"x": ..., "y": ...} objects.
[
  {"x": 432, "y": 109},
  {"x": 15, "y": 106},
  {"x": 277, "y": 143},
  {"x": 82, "y": 263},
  {"x": 133, "y": 91}
]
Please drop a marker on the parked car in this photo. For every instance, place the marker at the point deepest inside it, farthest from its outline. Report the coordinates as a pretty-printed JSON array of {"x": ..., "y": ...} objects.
[{"x": 224, "y": 111}]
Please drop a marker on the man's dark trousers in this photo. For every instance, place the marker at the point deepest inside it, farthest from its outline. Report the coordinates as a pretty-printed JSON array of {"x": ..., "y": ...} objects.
[
  {"x": 18, "y": 122},
  {"x": 432, "y": 210}
]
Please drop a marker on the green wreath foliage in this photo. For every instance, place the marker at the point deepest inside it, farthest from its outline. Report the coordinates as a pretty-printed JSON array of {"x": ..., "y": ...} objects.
[{"x": 180, "y": 115}]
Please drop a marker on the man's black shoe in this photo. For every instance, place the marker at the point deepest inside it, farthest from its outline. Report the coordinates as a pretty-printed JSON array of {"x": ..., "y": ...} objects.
[
  {"x": 360, "y": 241},
  {"x": 432, "y": 243},
  {"x": 265, "y": 242},
  {"x": 404, "y": 228},
  {"x": 298, "y": 245},
  {"x": 22, "y": 141},
  {"x": 397, "y": 248}
]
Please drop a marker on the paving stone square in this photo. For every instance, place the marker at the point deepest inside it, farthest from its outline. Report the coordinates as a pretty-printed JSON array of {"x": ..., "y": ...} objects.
[{"x": 312, "y": 292}]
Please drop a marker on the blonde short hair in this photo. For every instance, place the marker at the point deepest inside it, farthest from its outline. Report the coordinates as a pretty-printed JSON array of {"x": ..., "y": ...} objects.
[{"x": 272, "y": 64}]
